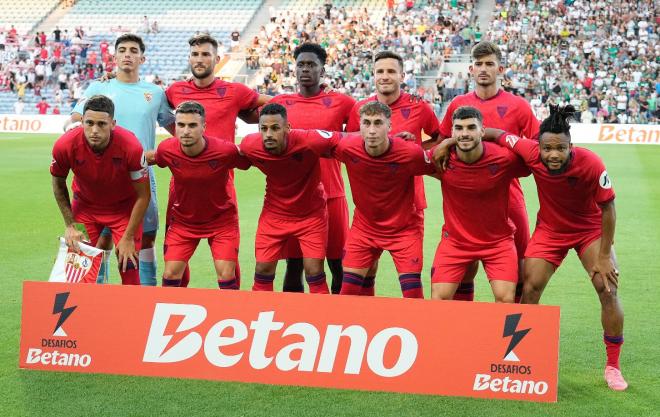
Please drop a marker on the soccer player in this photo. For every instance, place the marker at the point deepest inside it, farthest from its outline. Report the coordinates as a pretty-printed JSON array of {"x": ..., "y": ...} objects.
[
  {"x": 501, "y": 110},
  {"x": 138, "y": 106},
  {"x": 223, "y": 102},
  {"x": 408, "y": 115},
  {"x": 110, "y": 184},
  {"x": 294, "y": 205},
  {"x": 203, "y": 209},
  {"x": 576, "y": 212},
  {"x": 475, "y": 205},
  {"x": 313, "y": 108},
  {"x": 382, "y": 171}
]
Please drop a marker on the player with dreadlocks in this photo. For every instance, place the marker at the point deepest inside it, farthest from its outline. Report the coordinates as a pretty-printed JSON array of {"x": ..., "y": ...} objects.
[{"x": 576, "y": 212}]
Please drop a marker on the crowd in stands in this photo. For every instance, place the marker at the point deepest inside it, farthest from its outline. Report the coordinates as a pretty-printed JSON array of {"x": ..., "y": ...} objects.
[
  {"x": 601, "y": 56},
  {"x": 424, "y": 35}
]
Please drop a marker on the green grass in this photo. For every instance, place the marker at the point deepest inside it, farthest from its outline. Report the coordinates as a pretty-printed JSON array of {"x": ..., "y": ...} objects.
[{"x": 30, "y": 223}]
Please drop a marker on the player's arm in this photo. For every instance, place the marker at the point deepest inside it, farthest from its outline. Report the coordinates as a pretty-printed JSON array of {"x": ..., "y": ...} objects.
[
  {"x": 150, "y": 156},
  {"x": 440, "y": 153},
  {"x": 126, "y": 245},
  {"x": 527, "y": 149},
  {"x": 604, "y": 266},
  {"x": 74, "y": 121},
  {"x": 431, "y": 127},
  {"x": 71, "y": 235},
  {"x": 251, "y": 116}
]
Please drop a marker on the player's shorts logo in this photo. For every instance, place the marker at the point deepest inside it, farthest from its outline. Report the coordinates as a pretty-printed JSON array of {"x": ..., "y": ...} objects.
[
  {"x": 64, "y": 313},
  {"x": 510, "y": 324},
  {"x": 604, "y": 181},
  {"x": 324, "y": 134}
]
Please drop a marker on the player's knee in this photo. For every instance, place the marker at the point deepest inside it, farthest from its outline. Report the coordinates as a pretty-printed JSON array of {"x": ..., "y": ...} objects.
[
  {"x": 531, "y": 293},
  {"x": 265, "y": 268},
  {"x": 148, "y": 240},
  {"x": 505, "y": 298}
]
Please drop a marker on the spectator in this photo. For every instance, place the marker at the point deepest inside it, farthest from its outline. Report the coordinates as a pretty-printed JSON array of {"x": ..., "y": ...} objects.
[
  {"x": 19, "y": 106},
  {"x": 43, "y": 106}
]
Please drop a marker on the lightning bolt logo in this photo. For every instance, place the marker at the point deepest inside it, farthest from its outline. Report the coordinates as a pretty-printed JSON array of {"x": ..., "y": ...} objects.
[
  {"x": 58, "y": 308},
  {"x": 510, "y": 325}
]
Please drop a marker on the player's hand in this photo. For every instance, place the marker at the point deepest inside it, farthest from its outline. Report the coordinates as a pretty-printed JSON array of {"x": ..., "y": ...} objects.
[
  {"x": 441, "y": 154},
  {"x": 72, "y": 237},
  {"x": 607, "y": 271},
  {"x": 406, "y": 136},
  {"x": 126, "y": 252},
  {"x": 107, "y": 76}
]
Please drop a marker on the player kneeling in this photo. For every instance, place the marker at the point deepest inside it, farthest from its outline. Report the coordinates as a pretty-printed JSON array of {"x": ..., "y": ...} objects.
[{"x": 203, "y": 206}]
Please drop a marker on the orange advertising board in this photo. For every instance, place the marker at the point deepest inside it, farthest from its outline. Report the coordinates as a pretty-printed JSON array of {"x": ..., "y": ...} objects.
[{"x": 484, "y": 350}]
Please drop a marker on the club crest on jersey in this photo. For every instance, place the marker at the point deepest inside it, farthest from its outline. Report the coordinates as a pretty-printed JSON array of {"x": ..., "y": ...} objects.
[
  {"x": 298, "y": 156},
  {"x": 79, "y": 161},
  {"x": 221, "y": 91},
  {"x": 493, "y": 168},
  {"x": 175, "y": 163},
  {"x": 324, "y": 134},
  {"x": 405, "y": 112},
  {"x": 213, "y": 163},
  {"x": 501, "y": 110},
  {"x": 327, "y": 101},
  {"x": 604, "y": 181},
  {"x": 116, "y": 161},
  {"x": 393, "y": 166},
  {"x": 185, "y": 90},
  {"x": 148, "y": 97},
  {"x": 572, "y": 181},
  {"x": 289, "y": 102}
]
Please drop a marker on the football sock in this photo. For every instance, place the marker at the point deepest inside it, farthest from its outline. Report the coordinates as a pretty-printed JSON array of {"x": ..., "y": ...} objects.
[
  {"x": 263, "y": 282},
  {"x": 104, "y": 271},
  {"x": 613, "y": 349},
  {"x": 411, "y": 285},
  {"x": 171, "y": 282},
  {"x": 369, "y": 286},
  {"x": 317, "y": 283},
  {"x": 228, "y": 284},
  {"x": 464, "y": 292},
  {"x": 337, "y": 272},
  {"x": 293, "y": 276},
  {"x": 148, "y": 267},
  {"x": 131, "y": 276},
  {"x": 352, "y": 284}
]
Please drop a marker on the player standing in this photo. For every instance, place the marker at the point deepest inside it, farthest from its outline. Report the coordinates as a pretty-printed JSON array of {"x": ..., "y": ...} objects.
[
  {"x": 382, "y": 173},
  {"x": 501, "y": 110},
  {"x": 110, "y": 184},
  {"x": 408, "y": 115},
  {"x": 223, "y": 102},
  {"x": 294, "y": 205},
  {"x": 313, "y": 108},
  {"x": 475, "y": 205},
  {"x": 138, "y": 106},
  {"x": 203, "y": 209},
  {"x": 576, "y": 212}
]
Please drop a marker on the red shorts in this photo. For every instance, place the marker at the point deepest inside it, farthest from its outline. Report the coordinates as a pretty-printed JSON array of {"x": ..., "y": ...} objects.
[
  {"x": 180, "y": 243},
  {"x": 117, "y": 222},
  {"x": 337, "y": 231},
  {"x": 274, "y": 233},
  {"x": 451, "y": 261},
  {"x": 518, "y": 216},
  {"x": 363, "y": 249},
  {"x": 553, "y": 247}
]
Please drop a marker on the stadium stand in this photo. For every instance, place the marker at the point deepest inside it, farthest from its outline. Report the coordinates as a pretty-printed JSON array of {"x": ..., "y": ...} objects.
[
  {"x": 24, "y": 15},
  {"x": 556, "y": 52}
]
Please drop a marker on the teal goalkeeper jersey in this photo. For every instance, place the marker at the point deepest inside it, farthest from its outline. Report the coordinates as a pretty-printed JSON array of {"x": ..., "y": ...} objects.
[{"x": 138, "y": 107}]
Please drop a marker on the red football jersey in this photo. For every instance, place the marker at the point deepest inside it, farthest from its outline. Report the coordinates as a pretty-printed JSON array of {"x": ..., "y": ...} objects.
[
  {"x": 327, "y": 111},
  {"x": 102, "y": 182},
  {"x": 383, "y": 187},
  {"x": 475, "y": 197},
  {"x": 407, "y": 116},
  {"x": 568, "y": 201},
  {"x": 504, "y": 111},
  {"x": 201, "y": 203},
  {"x": 222, "y": 101},
  {"x": 293, "y": 179}
]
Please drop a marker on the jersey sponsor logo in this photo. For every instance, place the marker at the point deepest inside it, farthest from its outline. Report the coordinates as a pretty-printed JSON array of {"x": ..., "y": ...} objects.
[
  {"x": 511, "y": 140},
  {"x": 175, "y": 340},
  {"x": 221, "y": 91},
  {"x": 604, "y": 181},
  {"x": 327, "y": 101},
  {"x": 324, "y": 134},
  {"x": 493, "y": 168},
  {"x": 53, "y": 162},
  {"x": 405, "y": 112},
  {"x": 501, "y": 111},
  {"x": 148, "y": 97}
]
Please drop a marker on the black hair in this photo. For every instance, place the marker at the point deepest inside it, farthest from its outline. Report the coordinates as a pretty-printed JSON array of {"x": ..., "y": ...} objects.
[
  {"x": 485, "y": 48},
  {"x": 201, "y": 39},
  {"x": 190, "y": 107},
  {"x": 314, "y": 48},
  {"x": 558, "y": 121},
  {"x": 130, "y": 37},
  {"x": 389, "y": 54},
  {"x": 273, "y": 109},
  {"x": 100, "y": 103},
  {"x": 467, "y": 112}
]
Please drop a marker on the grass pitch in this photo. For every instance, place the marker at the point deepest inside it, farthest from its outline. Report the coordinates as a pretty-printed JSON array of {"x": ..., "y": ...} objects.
[{"x": 30, "y": 223}]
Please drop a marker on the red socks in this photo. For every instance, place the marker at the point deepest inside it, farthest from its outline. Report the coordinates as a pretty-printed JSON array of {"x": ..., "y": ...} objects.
[{"x": 613, "y": 349}]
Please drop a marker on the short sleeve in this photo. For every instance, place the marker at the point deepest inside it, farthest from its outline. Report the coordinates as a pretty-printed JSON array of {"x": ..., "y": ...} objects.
[
  {"x": 60, "y": 164},
  {"x": 246, "y": 97},
  {"x": 527, "y": 149},
  {"x": 160, "y": 157},
  {"x": 165, "y": 113},
  {"x": 353, "y": 123},
  {"x": 322, "y": 142},
  {"x": 446, "y": 124},
  {"x": 431, "y": 125},
  {"x": 420, "y": 161},
  {"x": 604, "y": 193},
  {"x": 137, "y": 162}
]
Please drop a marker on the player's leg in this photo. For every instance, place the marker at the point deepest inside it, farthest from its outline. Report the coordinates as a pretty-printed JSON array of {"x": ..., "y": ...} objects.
[
  {"x": 269, "y": 245},
  {"x": 337, "y": 234},
  {"x": 465, "y": 290},
  {"x": 224, "y": 249},
  {"x": 117, "y": 225},
  {"x": 503, "y": 291},
  {"x": 408, "y": 255},
  {"x": 545, "y": 252},
  {"x": 315, "y": 275},
  {"x": 449, "y": 267},
  {"x": 611, "y": 315},
  {"x": 518, "y": 216},
  {"x": 537, "y": 273},
  {"x": 148, "y": 264},
  {"x": 294, "y": 268},
  {"x": 501, "y": 264},
  {"x": 178, "y": 249},
  {"x": 312, "y": 234},
  {"x": 171, "y": 197},
  {"x": 358, "y": 261},
  {"x": 105, "y": 242},
  {"x": 264, "y": 275}
]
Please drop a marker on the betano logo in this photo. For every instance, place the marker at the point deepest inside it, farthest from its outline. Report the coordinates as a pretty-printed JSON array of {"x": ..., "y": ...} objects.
[
  {"x": 510, "y": 324},
  {"x": 58, "y": 308},
  {"x": 300, "y": 356}
]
